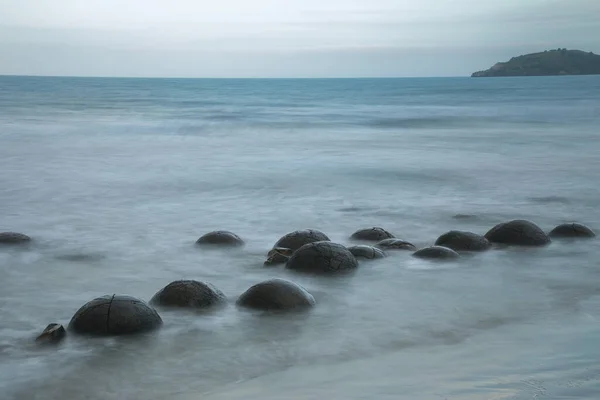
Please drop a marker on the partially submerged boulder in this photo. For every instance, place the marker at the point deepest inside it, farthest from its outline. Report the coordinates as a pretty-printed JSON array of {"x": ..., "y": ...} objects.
[
  {"x": 436, "y": 253},
  {"x": 463, "y": 241},
  {"x": 276, "y": 294},
  {"x": 322, "y": 258},
  {"x": 571, "y": 230},
  {"x": 518, "y": 232},
  {"x": 374, "y": 234},
  {"x": 287, "y": 244},
  {"x": 395, "y": 244},
  {"x": 220, "y": 238},
  {"x": 188, "y": 294},
  {"x": 13, "y": 238},
  {"x": 365, "y": 252},
  {"x": 113, "y": 315},
  {"x": 53, "y": 334}
]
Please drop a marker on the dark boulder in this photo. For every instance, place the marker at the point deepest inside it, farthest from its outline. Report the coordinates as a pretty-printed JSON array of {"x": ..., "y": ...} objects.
[
  {"x": 276, "y": 294},
  {"x": 374, "y": 234},
  {"x": 295, "y": 240},
  {"x": 436, "y": 252},
  {"x": 572, "y": 230},
  {"x": 53, "y": 334},
  {"x": 13, "y": 238},
  {"x": 463, "y": 241},
  {"x": 221, "y": 238},
  {"x": 395, "y": 244},
  {"x": 278, "y": 255},
  {"x": 322, "y": 257},
  {"x": 518, "y": 232},
  {"x": 188, "y": 293},
  {"x": 113, "y": 315},
  {"x": 362, "y": 251}
]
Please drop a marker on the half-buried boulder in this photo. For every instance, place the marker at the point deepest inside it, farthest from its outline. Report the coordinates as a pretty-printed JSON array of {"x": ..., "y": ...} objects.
[
  {"x": 53, "y": 334},
  {"x": 114, "y": 315},
  {"x": 365, "y": 252},
  {"x": 276, "y": 294},
  {"x": 463, "y": 241},
  {"x": 220, "y": 238},
  {"x": 322, "y": 258},
  {"x": 292, "y": 242},
  {"x": 573, "y": 230},
  {"x": 518, "y": 232},
  {"x": 395, "y": 244},
  {"x": 436, "y": 253},
  {"x": 13, "y": 238},
  {"x": 188, "y": 294},
  {"x": 374, "y": 234}
]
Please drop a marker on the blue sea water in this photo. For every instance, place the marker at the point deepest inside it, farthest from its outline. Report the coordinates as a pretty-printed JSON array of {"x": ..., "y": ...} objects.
[{"x": 116, "y": 178}]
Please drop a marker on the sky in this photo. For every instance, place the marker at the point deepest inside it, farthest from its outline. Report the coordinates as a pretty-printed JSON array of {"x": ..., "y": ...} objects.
[{"x": 284, "y": 38}]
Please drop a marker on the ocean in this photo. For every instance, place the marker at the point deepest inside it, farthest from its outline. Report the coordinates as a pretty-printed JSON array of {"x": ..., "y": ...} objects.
[{"x": 115, "y": 179}]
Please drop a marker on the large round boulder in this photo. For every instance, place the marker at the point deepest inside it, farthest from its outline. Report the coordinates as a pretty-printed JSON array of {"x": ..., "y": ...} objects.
[
  {"x": 220, "y": 238},
  {"x": 518, "y": 232},
  {"x": 436, "y": 253},
  {"x": 322, "y": 257},
  {"x": 573, "y": 230},
  {"x": 295, "y": 240},
  {"x": 463, "y": 241},
  {"x": 374, "y": 234},
  {"x": 13, "y": 238},
  {"x": 113, "y": 315},
  {"x": 365, "y": 252},
  {"x": 395, "y": 244},
  {"x": 276, "y": 294},
  {"x": 188, "y": 294}
]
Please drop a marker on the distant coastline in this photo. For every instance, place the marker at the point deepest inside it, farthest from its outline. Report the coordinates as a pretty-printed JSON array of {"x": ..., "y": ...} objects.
[{"x": 546, "y": 63}]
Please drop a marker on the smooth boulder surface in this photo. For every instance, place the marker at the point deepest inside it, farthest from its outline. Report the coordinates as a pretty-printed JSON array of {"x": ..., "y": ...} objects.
[
  {"x": 362, "y": 251},
  {"x": 572, "y": 230},
  {"x": 221, "y": 238},
  {"x": 113, "y": 315},
  {"x": 295, "y": 240},
  {"x": 518, "y": 232},
  {"x": 463, "y": 241},
  {"x": 276, "y": 294},
  {"x": 374, "y": 234},
  {"x": 395, "y": 244},
  {"x": 437, "y": 253},
  {"x": 13, "y": 238},
  {"x": 188, "y": 294},
  {"x": 53, "y": 334},
  {"x": 322, "y": 257}
]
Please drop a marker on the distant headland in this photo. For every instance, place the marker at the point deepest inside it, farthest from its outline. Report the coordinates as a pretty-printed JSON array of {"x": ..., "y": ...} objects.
[{"x": 549, "y": 62}]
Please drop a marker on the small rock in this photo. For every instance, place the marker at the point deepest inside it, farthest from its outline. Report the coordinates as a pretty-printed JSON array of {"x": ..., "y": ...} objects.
[
  {"x": 374, "y": 234},
  {"x": 53, "y": 334},
  {"x": 395, "y": 244},
  {"x": 366, "y": 252},
  {"x": 13, "y": 238}
]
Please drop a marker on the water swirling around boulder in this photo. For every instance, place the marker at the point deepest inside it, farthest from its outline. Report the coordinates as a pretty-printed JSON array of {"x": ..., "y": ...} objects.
[
  {"x": 13, "y": 238},
  {"x": 463, "y": 241},
  {"x": 322, "y": 258},
  {"x": 436, "y": 253},
  {"x": 395, "y": 244},
  {"x": 188, "y": 294},
  {"x": 220, "y": 238},
  {"x": 276, "y": 294},
  {"x": 374, "y": 234},
  {"x": 518, "y": 232},
  {"x": 114, "y": 315},
  {"x": 571, "y": 230},
  {"x": 365, "y": 252}
]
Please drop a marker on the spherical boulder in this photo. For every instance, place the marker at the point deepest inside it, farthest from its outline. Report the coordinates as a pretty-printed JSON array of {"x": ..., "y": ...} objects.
[
  {"x": 11, "y": 238},
  {"x": 188, "y": 294},
  {"x": 374, "y": 234},
  {"x": 322, "y": 257},
  {"x": 395, "y": 244},
  {"x": 362, "y": 251},
  {"x": 220, "y": 238},
  {"x": 113, "y": 315},
  {"x": 463, "y": 241},
  {"x": 518, "y": 232},
  {"x": 53, "y": 334},
  {"x": 436, "y": 252},
  {"x": 295, "y": 240},
  {"x": 276, "y": 294},
  {"x": 572, "y": 230}
]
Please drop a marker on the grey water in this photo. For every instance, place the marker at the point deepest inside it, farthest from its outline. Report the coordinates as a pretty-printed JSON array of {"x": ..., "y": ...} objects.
[{"x": 115, "y": 179}]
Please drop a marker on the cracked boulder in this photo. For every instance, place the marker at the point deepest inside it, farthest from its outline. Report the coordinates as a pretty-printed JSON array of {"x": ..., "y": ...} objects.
[
  {"x": 322, "y": 258},
  {"x": 374, "y": 234},
  {"x": 293, "y": 241},
  {"x": 463, "y": 241},
  {"x": 573, "y": 230},
  {"x": 395, "y": 244},
  {"x": 113, "y": 315},
  {"x": 188, "y": 294},
  {"x": 220, "y": 238},
  {"x": 276, "y": 294},
  {"x": 518, "y": 232},
  {"x": 436, "y": 253},
  {"x": 365, "y": 252}
]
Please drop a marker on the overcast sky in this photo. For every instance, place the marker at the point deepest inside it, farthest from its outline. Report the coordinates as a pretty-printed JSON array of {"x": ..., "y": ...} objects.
[{"x": 284, "y": 38}]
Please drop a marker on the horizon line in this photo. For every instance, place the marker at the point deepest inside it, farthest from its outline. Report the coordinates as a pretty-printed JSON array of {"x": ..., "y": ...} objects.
[{"x": 228, "y": 78}]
